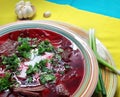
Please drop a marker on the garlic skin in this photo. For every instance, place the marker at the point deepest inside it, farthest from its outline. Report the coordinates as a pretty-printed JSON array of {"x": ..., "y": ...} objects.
[{"x": 24, "y": 10}]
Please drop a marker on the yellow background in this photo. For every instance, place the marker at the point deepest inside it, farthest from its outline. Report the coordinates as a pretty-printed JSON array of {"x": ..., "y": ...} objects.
[{"x": 107, "y": 28}]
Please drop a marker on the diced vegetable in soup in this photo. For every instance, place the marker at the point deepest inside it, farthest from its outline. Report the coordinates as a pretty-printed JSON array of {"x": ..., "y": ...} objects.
[{"x": 39, "y": 63}]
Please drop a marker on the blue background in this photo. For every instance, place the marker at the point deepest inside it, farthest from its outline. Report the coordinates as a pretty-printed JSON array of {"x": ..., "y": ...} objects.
[{"x": 105, "y": 7}]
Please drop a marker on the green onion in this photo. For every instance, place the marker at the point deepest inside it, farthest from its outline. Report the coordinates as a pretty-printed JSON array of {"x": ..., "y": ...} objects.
[
  {"x": 101, "y": 60},
  {"x": 100, "y": 85},
  {"x": 104, "y": 94}
]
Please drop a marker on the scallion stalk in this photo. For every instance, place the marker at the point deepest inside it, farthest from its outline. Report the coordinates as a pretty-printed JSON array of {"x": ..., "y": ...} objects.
[
  {"x": 101, "y": 60},
  {"x": 100, "y": 85},
  {"x": 104, "y": 94}
]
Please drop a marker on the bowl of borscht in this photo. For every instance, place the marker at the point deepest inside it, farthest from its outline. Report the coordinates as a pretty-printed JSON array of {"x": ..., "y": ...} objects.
[{"x": 41, "y": 59}]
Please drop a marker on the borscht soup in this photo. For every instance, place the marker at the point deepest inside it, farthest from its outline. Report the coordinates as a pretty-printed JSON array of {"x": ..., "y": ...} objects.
[{"x": 39, "y": 63}]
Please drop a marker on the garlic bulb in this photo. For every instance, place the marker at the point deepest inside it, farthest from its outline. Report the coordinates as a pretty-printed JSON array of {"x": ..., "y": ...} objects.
[{"x": 24, "y": 10}]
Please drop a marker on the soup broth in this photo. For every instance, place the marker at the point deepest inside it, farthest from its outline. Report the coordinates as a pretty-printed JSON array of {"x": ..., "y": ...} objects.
[{"x": 39, "y": 63}]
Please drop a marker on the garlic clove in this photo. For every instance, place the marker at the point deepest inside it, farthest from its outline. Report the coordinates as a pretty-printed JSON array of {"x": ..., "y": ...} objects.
[
  {"x": 20, "y": 15},
  {"x": 28, "y": 3},
  {"x": 19, "y": 7},
  {"x": 34, "y": 10},
  {"x": 24, "y": 12},
  {"x": 17, "y": 4},
  {"x": 21, "y": 2},
  {"x": 29, "y": 11},
  {"x": 31, "y": 14},
  {"x": 47, "y": 14}
]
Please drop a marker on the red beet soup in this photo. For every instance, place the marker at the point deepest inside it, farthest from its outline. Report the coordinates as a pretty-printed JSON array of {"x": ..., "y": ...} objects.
[{"x": 39, "y": 63}]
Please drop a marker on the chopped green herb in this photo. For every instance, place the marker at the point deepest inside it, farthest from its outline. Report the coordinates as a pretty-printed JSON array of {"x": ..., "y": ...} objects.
[
  {"x": 30, "y": 79},
  {"x": 45, "y": 46},
  {"x": 17, "y": 72},
  {"x": 5, "y": 82},
  {"x": 11, "y": 62},
  {"x": 37, "y": 67},
  {"x": 41, "y": 50},
  {"x": 25, "y": 54},
  {"x": 30, "y": 70},
  {"x": 59, "y": 50},
  {"x": 24, "y": 48},
  {"x": 57, "y": 56},
  {"x": 47, "y": 78},
  {"x": 23, "y": 40},
  {"x": 50, "y": 61},
  {"x": 43, "y": 63},
  {"x": 62, "y": 72},
  {"x": 67, "y": 67},
  {"x": 45, "y": 69}
]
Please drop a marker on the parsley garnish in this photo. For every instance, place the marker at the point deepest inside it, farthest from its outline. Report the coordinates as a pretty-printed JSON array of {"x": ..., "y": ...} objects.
[
  {"x": 31, "y": 70},
  {"x": 30, "y": 79},
  {"x": 24, "y": 47},
  {"x": 47, "y": 78},
  {"x": 5, "y": 82},
  {"x": 11, "y": 62},
  {"x": 60, "y": 50},
  {"x": 45, "y": 46}
]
